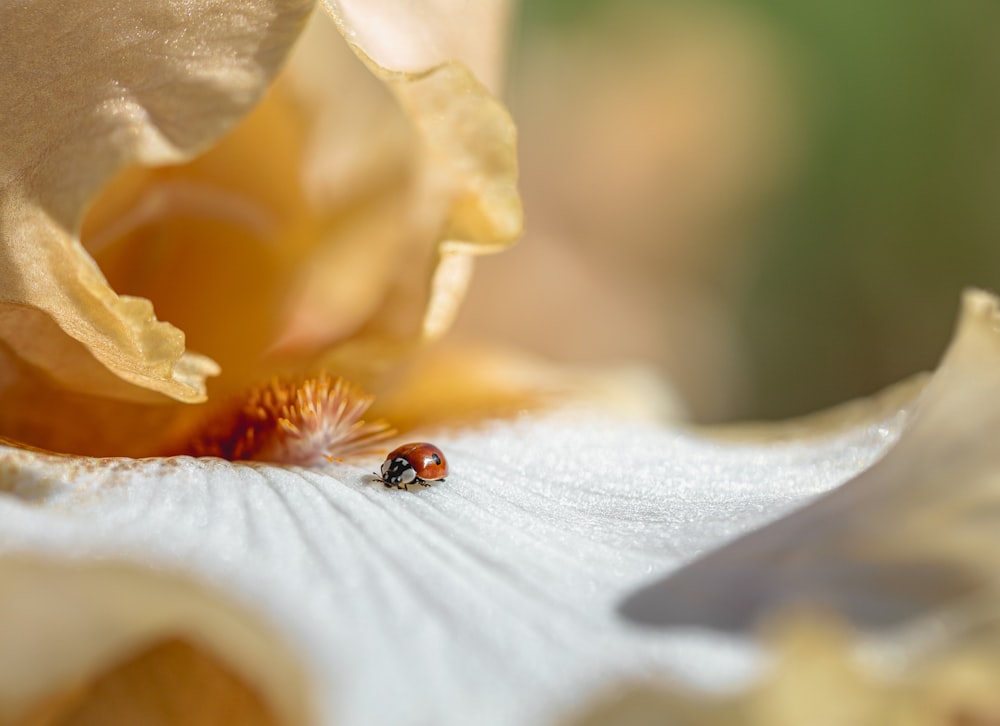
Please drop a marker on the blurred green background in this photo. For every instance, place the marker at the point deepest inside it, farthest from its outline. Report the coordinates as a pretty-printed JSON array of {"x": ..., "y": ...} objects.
[{"x": 864, "y": 141}]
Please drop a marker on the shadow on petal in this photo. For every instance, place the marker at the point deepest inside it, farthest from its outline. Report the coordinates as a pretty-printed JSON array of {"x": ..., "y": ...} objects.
[
  {"x": 734, "y": 596},
  {"x": 910, "y": 535}
]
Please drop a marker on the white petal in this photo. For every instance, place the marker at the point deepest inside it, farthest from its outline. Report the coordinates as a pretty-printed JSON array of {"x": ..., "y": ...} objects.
[
  {"x": 494, "y": 597},
  {"x": 912, "y": 535},
  {"x": 488, "y": 598}
]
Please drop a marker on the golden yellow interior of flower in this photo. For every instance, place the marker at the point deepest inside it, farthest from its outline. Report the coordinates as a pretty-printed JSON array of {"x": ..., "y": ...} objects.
[
  {"x": 231, "y": 249},
  {"x": 37, "y": 411},
  {"x": 313, "y": 236},
  {"x": 214, "y": 243}
]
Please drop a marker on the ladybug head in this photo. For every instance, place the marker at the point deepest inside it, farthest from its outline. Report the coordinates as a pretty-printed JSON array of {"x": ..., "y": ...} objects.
[{"x": 398, "y": 471}]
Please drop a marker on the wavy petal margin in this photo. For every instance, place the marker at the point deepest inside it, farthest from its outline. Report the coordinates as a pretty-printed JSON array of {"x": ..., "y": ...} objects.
[
  {"x": 89, "y": 88},
  {"x": 909, "y": 536},
  {"x": 501, "y": 587},
  {"x": 409, "y": 37},
  {"x": 441, "y": 59},
  {"x": 882, "y": 596},
  {"x": 489, "y": 597}
]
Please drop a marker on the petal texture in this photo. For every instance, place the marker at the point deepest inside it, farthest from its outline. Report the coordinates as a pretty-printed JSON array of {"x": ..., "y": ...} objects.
[
  {"x": 488, "y": 598},
  {"x": 911, "y": 537},
  {"x": 90, "y": 88},
  {"x": 494, "y": 596}
]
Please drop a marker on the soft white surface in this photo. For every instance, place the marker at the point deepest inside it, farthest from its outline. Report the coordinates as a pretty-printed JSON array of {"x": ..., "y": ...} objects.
[{"x": 489, "y": 598}]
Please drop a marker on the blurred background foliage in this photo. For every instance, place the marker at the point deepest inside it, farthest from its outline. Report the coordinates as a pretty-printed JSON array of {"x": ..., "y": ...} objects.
[{"x": 773, "y": 203}]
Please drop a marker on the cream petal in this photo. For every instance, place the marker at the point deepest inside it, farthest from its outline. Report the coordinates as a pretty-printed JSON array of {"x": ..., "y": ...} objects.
[
  {"x": 357, "y": 165},
  {"x": 494, "y": 595},
  {"x": 907, "y": 539},
  {"x": 412, "y": 37},
  {"x": 90, "y": 88},
  {"x": 442, "y": 61},
  {"x": 414, "y": 173},
  {"x": 487, "y": 598}
]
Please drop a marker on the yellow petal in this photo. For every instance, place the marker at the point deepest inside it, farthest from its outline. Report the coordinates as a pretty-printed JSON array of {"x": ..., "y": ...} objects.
[
  {"x": 412, "y": 37},
  {"x": 454, "y": 384},
  {"x": 437, "y": 58},
  {"x": 315, "y": 227},
  {"x": 213, "y": 242},
  {"x": 384, "y": 203},
  {"x": 91, "y": 88}
]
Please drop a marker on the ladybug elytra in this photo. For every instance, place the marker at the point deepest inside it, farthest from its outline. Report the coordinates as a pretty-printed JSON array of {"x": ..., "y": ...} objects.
[{"x": 417, "y": 463}]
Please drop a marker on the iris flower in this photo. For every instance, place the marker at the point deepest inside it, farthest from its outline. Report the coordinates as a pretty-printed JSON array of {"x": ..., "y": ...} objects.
[
  {"x": 326, "y": 224},
  {"x": 299, "y": 211}
]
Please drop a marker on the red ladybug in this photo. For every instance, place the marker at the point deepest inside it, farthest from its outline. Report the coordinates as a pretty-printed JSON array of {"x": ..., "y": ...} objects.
[{"x": 417, "y": 463}]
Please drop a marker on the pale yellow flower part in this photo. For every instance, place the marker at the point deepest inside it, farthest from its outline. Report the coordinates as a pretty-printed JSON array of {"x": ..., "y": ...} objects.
[
  {"x": 89, "y": 88},
  {"x": 437, "y": 69},
  {"x": 410, "y": 37},
  {"x": 389, "y": 268},
  {"x": 318, "y": 232},
  {"x": 818, "y": 676},
  {"x": 411, "y": 202}
]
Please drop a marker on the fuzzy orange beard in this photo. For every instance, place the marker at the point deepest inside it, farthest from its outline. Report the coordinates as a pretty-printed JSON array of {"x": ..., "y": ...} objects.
[{"x": 295, "y": 421}]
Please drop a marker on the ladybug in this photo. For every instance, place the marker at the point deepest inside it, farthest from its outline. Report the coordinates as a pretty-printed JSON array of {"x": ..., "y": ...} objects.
[{"x": 417, "y": 463}]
